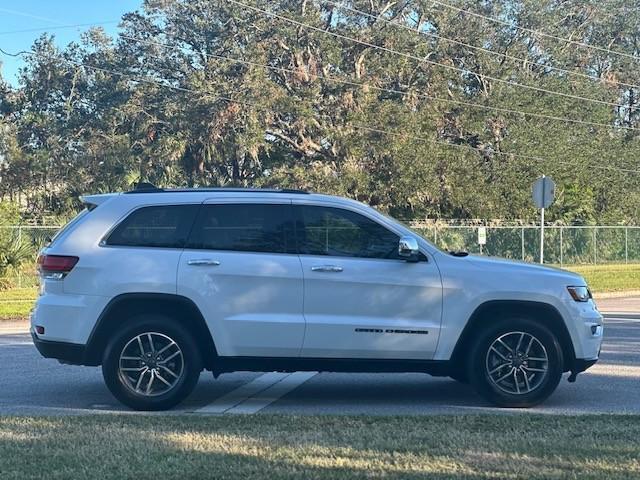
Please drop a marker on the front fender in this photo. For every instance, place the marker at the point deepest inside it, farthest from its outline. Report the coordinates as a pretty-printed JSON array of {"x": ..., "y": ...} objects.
[{"x": 460, "y": 306}]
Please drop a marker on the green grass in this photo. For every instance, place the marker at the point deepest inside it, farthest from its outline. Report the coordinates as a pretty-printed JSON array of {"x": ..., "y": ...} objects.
[
  {"x": 15, "y": 311},
  {"x": 19, "y": 294},
  {"x": 610, "y": 278},
  {"x": 319, "y": 447},
  {"x": 16, "y": 303}
]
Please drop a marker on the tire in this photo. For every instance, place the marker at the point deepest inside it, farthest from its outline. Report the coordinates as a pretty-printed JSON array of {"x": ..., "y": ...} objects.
[
  {"x": 174, "y": 358},
  {"x": 515, "y": 381}
]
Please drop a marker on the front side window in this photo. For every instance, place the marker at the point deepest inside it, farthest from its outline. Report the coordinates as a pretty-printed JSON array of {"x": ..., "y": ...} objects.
[
  {"x": 265, "y": 228},
  {"x": 343, "y": 233},
  {"x": 165, "y": 226}
]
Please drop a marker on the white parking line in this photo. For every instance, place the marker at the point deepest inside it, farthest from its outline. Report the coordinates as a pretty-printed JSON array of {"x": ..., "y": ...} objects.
[
  {"x": 622, "y": 319},
  {"x": 13, "y": 330},
  {"x": 240, "y": 394},
  {"x": 12, "y": 340},
  {"x": 257, "y": 394},
  {"x": 271, "y": 394}
]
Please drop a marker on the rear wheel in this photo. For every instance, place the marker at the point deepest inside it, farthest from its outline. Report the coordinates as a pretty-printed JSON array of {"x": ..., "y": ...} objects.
[
  {"x": 153, "y": 364},
  {"x": 516, "y": 363}
]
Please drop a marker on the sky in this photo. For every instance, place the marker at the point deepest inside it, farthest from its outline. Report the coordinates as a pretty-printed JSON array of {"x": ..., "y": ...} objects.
[{"x": 47, "y": 15}]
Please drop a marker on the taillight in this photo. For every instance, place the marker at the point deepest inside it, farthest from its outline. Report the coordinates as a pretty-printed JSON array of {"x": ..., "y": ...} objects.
[{"x": 56, "y": 266}]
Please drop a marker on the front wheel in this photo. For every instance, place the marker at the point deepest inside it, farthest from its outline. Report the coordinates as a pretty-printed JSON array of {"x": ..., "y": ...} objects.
[
  {"x": 153, "y": 364},
  {"x": 516, "y": 363}
]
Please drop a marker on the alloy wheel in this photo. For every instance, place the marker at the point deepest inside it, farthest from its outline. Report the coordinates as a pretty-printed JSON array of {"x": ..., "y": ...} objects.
[
  {"x": 517, "y": 363},
  {"x": 151, "y": 364}
]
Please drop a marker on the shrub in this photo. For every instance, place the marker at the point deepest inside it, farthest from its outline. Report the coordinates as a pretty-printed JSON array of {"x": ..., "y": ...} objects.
[{"x": 14, "y": 250}]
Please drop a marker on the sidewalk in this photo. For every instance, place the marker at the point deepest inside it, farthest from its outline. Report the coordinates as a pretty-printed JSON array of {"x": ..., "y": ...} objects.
[
  {"x": 9, "y": 327},
  {"x": 619, "y": 304}
]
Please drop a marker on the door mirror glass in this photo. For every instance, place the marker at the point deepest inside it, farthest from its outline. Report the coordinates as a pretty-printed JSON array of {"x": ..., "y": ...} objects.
[{"x": 408, "y": 249}]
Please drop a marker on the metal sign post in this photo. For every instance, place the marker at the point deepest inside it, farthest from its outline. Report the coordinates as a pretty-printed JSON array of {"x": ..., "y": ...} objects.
[
  {"x": 544, "y": 191},
  {"x": 542, "y": 235}
]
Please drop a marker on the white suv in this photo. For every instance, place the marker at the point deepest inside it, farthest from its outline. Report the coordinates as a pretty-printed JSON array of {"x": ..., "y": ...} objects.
[{"x": 157, "y": 285}]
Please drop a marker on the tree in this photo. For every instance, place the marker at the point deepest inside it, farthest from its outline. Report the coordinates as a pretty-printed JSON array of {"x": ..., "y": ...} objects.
[{"x": 203, "y": 92}]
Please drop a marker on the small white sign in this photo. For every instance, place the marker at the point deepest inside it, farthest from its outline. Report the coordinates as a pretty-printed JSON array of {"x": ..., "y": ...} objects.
[{"x": 482, "y": 236}]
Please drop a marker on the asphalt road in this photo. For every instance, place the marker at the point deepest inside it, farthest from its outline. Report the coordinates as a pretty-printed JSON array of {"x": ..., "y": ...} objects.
[{"x": 30, "y": 384}]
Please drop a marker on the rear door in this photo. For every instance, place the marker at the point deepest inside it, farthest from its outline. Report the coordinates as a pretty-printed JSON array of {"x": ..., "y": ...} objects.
[
  {"x": 361, "y": 300},
  {"x": 241, "y": 268}
]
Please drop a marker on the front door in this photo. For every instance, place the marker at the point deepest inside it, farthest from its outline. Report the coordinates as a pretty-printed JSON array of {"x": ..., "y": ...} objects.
[
  {"x": 241, "y": 269},
  {"x": 361, "y": 300}
]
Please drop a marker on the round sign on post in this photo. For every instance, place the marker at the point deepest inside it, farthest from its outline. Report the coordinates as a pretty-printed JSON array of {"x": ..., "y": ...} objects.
[{"x": 544, "y": 192}]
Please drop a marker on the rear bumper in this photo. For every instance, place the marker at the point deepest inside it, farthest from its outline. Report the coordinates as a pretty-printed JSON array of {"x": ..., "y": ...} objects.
[
  {"x": 72, "y": 353},
  {"x": 67, "y": 318}
]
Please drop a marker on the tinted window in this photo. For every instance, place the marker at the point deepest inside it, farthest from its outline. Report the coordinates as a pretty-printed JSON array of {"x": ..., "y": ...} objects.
[
  {"x": 244, "y": 228},
  {"x": 162, "y": 226},
  {"x": 338, "y": 232}
]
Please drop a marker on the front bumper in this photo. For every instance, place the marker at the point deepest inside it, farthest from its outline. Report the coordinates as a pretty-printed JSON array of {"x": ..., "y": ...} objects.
[
  {"x": 587, "y": 330},
  {"x": 581, "y": 365},
  {"x": 64, "y": 352}
]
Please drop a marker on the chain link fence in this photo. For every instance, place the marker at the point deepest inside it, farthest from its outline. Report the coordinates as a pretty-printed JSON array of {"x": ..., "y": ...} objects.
[
  {"x": 36, "y": 237},
  {"x": 563, "y": 245}
]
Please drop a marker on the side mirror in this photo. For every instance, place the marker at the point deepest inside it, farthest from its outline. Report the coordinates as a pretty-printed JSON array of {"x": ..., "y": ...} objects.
[{"x": 408, "y": 248}]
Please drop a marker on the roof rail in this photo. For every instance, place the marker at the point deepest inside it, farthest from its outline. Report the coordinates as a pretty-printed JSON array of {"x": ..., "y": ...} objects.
[{"x": 144, "y": 187}]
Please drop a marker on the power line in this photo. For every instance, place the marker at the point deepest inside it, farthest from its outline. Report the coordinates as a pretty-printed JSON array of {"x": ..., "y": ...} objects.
[
  {"x": 424, "y": 60},
  {"x": 17, "y": 54},
  {"x": 494, "y": 152},
  {"x": 475, "y": 47},
  {"x": 361, "y": 127},
  {"x": 536, "y": 32},
  {"x": 60, "y": 27},
  {"x": 394, "y": 91},
  {"x": 29, "y": 15},
  {"x": 389, "y": 90}
]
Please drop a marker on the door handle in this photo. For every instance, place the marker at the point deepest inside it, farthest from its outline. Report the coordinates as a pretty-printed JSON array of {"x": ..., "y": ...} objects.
[
  {"x": 326, "y": 268},
  {"x": 203, "y": 262}
]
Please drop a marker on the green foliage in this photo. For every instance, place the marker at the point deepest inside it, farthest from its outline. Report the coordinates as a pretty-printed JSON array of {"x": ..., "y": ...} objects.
[
  {"x": 14, "y": 250},
  {"x": 69, "y": 129},
  {"x": 9, "y": 214}
]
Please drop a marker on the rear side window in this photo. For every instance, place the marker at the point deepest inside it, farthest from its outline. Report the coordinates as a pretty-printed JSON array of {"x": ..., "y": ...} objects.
[
  {"x": 75, "y": 221},
  {"x": 165, "y": 226},
  {"x": 265, "y": 228}
]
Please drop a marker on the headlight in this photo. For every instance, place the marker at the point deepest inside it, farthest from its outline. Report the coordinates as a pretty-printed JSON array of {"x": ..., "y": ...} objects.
[{"x": 579, "y": 294}]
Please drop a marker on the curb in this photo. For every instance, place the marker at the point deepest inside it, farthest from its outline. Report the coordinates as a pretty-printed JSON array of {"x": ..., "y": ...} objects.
[
  {"x": 626, "y": 315},
  {"x": 616, "y": 295}
]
